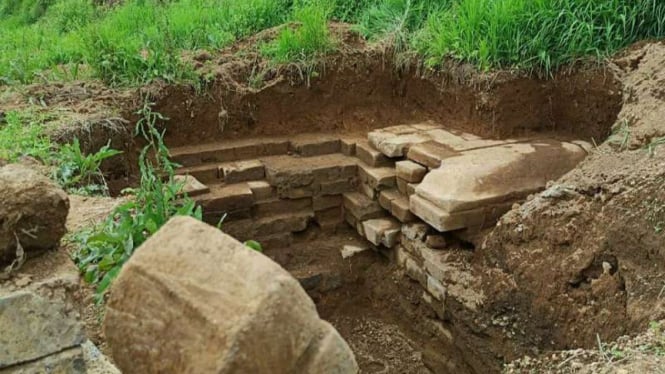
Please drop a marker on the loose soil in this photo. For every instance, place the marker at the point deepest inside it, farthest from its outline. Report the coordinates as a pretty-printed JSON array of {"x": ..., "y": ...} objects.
[{"x": 582, "y": 261}]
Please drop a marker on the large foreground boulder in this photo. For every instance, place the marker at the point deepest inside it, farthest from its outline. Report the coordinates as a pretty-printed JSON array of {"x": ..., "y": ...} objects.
[
  {"x": 33, "y": 212},
  {"x": 194, "y": 300}
]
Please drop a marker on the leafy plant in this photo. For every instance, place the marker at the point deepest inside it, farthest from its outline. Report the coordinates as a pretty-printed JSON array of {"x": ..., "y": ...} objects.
[
  {"x": 78, "y": 172},
  {"x": 104, "y": 249}
]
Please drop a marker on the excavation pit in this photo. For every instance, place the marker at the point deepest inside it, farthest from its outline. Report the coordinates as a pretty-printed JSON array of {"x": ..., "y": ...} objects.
[{"x": 408, "y": 172}]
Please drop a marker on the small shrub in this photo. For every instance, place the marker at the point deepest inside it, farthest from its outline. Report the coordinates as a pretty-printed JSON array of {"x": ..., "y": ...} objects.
[{"x": 79, "y": 173}]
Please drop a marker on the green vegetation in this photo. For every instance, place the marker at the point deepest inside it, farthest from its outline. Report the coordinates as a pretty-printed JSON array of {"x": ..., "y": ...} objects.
[
  {"x": 141, "y": 40},
  {"x": 22, "y": 135},
  {"x": 103, "y": 249}
]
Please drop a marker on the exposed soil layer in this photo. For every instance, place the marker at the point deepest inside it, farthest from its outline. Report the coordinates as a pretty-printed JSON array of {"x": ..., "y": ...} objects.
[{"x": 358, "y": 89}]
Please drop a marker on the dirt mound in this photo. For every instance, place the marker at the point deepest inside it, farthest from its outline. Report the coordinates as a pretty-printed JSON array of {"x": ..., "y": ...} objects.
[{"x": 584, "y": 259}]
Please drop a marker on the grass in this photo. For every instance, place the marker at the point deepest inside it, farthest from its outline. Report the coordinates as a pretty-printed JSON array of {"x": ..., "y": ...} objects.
[
  {"x": 22, "y": 135},
  {"x": 141, "y": 40}
]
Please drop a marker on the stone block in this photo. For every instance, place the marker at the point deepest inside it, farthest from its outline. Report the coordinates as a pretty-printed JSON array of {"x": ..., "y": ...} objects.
[
  {"x": 402, "y": 186},
  {"x": 377, "y": 177},
  {"x": 387, "y": 196},
  {"x": 242, "y": 171},
  {"x": 175, "y": 325},
  {"x": 323, "y": 202},
  {"x": 315, "y": 145},
  {"x": 370, "y": 156},
  {"x": 225, "y": 198},
  {"x": 261, "y": 190},
  {"x": 391, "y": 237},
  {"x": 190, "y": 185},
  {"x": 395, "y": 141},
  {"x": 375, "y": 229},
  {"x": 435, "y": 288},
  {"x": 415, "y": 231},
  {"x": 280, "y": 206},
  {"x": 208, "y": 173},
  {"x": 352, "y": 250},
  {"x": 436, "y": 241},
  {"x": 415, "y": 272},
  {"x": 361, "y": 207},
  {"x": 348, "y": 146},
  {"x": 411, "y": 188},
  {"x": 288, "y": 222},
  {"x": 430, "y": 154},
  {"x": 368, "y": 191},
  {"x": 33, "y": 327},
  {"x": 338, "y": 187},
  {"x": 329, "y": 219},
  {"x": 399, "y": 208},
  {"x": 410, "y": 171}
]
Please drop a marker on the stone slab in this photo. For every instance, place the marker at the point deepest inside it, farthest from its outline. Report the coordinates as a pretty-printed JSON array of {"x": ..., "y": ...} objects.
[
  {"x": 444, "y": 221},
  {"x": 361, "y": 207},
  {"x": 326, "y": 202},
  {"x": 261, "y": 190},
  {"x": 376, "y": 177},
  {"x": 242, "y": 171},
  {"x": 33, "y": 327},
  {"x": 370, "y": 156},
  {"x": 497, "y": 174},
  {"x": 387, "y": 196},
  {"x": 280, "y": 206},
  {"x": 430, "y": 154},
  {"x": 309, "y": 145},
  {"x": 410, "y": 171},
  {"x": 375, "y": 229},
  {"x": 225, "y": 198},
  {"x": 399, "y": 208}
]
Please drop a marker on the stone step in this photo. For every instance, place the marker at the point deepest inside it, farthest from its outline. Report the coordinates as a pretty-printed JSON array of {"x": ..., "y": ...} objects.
[
  {"x": 270, "y": 225},
  {"x": 230, "y": 150},
  {"x": 382, "y": 231},
  {"x": 308, "y": 145},
  {"x": 361, "y": 207},
  {"x": 370, "y": 156}
]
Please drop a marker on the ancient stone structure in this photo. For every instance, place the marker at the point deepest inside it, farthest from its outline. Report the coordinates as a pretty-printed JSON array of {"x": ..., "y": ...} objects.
[
  {"x": 267, "y": 189},
  {"x": 194, "y": 300}
]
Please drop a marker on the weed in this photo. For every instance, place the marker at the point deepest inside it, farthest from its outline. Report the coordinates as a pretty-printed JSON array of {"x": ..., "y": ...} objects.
[
  {"x": 80, "y": 173},
  {"x": 620, "y": 135},
  {"x": 653, "y": 144},
  {"x": 102, "y": 250},
  {"x": 655, "y": 214},
  {"x": 22, "y": 135}
]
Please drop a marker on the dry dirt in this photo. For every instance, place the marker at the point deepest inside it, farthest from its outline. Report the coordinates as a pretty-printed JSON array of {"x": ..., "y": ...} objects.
[{"x": 580, "y": 262}]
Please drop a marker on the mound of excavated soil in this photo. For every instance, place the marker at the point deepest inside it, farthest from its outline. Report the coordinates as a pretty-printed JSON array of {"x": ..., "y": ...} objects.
[{"x": 585, "y": 259}]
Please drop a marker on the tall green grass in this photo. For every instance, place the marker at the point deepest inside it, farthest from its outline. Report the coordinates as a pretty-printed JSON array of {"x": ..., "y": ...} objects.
[{"x": 141, "y": 40}]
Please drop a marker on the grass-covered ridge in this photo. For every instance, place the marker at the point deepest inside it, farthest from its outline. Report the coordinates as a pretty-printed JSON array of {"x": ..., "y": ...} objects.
[{"x": 140, "y": 40}]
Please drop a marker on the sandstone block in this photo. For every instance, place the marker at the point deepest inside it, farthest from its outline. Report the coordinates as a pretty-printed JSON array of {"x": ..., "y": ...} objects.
[
  {"x": 33, "y": 213},
  {"x": 241, "y": 171},
  {"x": 376, "y": 177},
  {"x": 430, "y": 154},
  {"x": 280, "y": 206},
  {"x": 368, "y": 191},
  {"x": 338, "y": 187},
  {"x": 361, "y": 207},
  {"x": 329, "y": 219},
  {"x": 261, "y": 190},
  {"x": 315, "y": 145},
  {"x": 327, "y": 202},
  {"x": 387, "y": 196},
  {"x": 34, "y": 328},
  {"x": 165, "y": 313},
  {"x": 410, "y": 171},
  {"x": 370, "y": 156},
  {"x": 190, "y": 185},
  {"x": 208, "y": 173},
  {"x": 399, "y": 208},
  {"x": 395, "y": 141},
  {"x": 375, "y": 230},
  {"x": 348, "y": 146},
  {"x": 497, "y": 174},
  {"x": 402, "y": 186},
  {"x": 227, "y": 198}
]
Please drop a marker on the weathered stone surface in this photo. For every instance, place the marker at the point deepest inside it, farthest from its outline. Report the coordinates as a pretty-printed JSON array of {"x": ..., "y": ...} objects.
[
  {"x": 490, "y": 175},
  {"x": 361, "y": 207},
  {"x": 387, "y": 196},
  {"x": 69, "y": 361},
  {"x": 402, "y": 186},
  {"x": 436, "y": 242},
  {"x": 207, "y": 173},
  {"x": 370, "y": 156},
  {"x": 445, "y": 221},
  {"x": 329, "y": 219},
  {"x": 348, "y": 146},
  {"x": 375, "y": 231},
  {"x": 287, "y": 171},
  {"x": 430, "y": 154},
  {"x": 352, "y": 250},
  {"x": 376, "y": 177},
  {"x": 394, "y": 145},
  {"x": 410, "y": 171},
  {"x": 327, "y": 202},
  {"x": 315, "y": 145},
  {"x": 368, "y": 191},
  {"x": 193, "y": 299},
  {"x": 34, "y": 328},
  {"x": 33, "y": 212},
  {"x": 281, "y": 206},
  {"x": 242, "y": 171},
  {"x": 261, "y": 190},
  {"x": 338, "y": 187},
  {"x": 226, "y": 198},
  {"x": 399, "y": 208},
  {"x": 190, "y": 185}
]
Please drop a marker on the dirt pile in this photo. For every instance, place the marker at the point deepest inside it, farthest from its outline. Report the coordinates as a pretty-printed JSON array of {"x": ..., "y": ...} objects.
[{"x": 585, "y": 258}]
